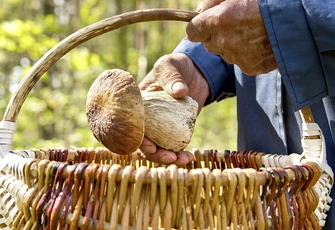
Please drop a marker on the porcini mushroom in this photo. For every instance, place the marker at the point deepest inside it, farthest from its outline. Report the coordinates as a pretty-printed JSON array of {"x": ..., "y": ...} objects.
[{"x": 119, "y": 114}]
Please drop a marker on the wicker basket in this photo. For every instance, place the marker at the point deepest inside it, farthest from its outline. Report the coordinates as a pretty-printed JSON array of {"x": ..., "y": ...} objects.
[{"x": 96, "y": 189}]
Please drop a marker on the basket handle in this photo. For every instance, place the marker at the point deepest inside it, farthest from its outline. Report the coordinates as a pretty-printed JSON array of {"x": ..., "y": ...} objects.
[
  {"x": 313, "y": 143},
  {"x": 79, "y": 37}
]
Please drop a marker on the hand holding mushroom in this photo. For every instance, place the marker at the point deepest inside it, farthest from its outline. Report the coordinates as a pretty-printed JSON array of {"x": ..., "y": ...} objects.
[
  {"x": 119, "y": 116},
  {"x": 178, "y": 76}
]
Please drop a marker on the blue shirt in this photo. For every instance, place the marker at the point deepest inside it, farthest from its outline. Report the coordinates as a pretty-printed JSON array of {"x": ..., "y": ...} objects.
[{"x": 302, "y": 36}]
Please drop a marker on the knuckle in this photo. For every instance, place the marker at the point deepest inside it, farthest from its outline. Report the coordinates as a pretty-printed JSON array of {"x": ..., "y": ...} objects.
[
  {"x": 166, "y": 70},
  {"x": 160, "y": 62}
]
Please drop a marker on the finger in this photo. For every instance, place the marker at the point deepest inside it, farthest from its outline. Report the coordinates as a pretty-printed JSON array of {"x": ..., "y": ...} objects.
[
  {"x": 184, "y": 158},
  {"x": 149, "y": 83},
  {"x": 198, "y": 29},
  {"x": 148, "y": 146},
  {"x": 208, "y": 4},
  {"x": 168, "y": 74},
  {"x": 178, "y": 89},
  {"x": 162, "y": 156},
  {"x": 200, "y": 7}
]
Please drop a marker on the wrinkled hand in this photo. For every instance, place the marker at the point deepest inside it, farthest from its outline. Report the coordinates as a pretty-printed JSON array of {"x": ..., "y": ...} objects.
[
  {"x": 178, "y": 76},
  {"x": 235, "y": 30},
  {"x": 204, "y": 5}
]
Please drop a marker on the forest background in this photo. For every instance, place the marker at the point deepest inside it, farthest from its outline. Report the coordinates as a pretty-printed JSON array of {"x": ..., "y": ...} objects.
[{"x": 54, "y": 113}]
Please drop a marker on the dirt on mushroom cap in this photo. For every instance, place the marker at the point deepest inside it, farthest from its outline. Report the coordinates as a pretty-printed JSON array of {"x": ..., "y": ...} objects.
[{"x": 115, "y": 112}]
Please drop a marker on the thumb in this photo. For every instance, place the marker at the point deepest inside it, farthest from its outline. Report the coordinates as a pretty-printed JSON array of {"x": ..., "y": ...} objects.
[
  {"x": 167, "y": 72},
  {"x": 177, "y": 89},
  {"x": 197, "y": 30},
  {"x": 174, "y": 85}
]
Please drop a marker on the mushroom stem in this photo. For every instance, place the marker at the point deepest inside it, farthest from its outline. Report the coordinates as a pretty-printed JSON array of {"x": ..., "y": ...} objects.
[{"x": 169, "y": 122}]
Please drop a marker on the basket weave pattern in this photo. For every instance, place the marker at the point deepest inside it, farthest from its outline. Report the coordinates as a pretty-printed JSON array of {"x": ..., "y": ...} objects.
[{"x": 94, "y": 188}]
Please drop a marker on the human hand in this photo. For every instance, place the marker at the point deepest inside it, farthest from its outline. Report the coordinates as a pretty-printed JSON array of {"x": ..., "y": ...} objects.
[
  {"x": 204, "y": 5},
  {"x": 235, "y": 30},
  {"x": 178, "y": 76}
]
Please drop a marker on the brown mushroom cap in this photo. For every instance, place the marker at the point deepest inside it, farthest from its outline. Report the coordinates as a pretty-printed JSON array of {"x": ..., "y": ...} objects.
[{"x": 115, "y": 111}]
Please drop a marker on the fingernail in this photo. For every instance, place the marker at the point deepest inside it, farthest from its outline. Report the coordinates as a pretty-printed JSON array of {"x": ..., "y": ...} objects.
[
  {"x": 148, "y": 148},
  {"x": 177, "y": 86},
  {"x": 167, "y": 159}
]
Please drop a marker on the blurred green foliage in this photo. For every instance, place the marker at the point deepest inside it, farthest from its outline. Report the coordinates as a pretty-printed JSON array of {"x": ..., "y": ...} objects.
[{"x": 54, "y": 113}]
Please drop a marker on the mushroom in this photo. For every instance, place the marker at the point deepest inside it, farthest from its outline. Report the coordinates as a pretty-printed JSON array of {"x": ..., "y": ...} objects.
[{"x": 120, "y": 115}]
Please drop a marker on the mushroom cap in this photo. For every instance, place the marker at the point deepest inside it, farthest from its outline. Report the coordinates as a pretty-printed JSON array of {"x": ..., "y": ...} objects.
[{"x": 115, "y": 112}]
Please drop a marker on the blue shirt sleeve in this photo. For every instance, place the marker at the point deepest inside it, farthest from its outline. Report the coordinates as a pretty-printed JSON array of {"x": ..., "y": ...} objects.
[
  {"x": 219, "y": 74},
  {"x": 301, "y": 34}
]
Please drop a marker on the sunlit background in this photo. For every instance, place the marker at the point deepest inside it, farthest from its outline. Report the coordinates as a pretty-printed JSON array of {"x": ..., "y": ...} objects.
[{"x": 54, "y": 113}]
